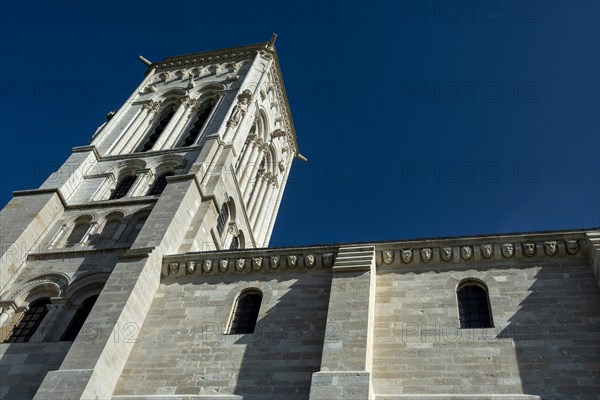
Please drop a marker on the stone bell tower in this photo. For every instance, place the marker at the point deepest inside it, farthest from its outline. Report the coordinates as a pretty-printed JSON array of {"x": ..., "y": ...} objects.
[{"x": 196, "y": 159}]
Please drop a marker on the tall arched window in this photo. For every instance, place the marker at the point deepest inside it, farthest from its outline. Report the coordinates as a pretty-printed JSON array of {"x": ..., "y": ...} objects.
[
  {"x": 160, "y": 184},
  {"x": 196, "y": 128},
  {"x": 123, "y": 187},
  {"x": 81, "y": 227},
  {"x": 158, "y": 129},
  {"x": 222, "y": 218},
  {"x": 474, "y": 309},
  {"x": 109, "y": 233},
  {"x": 245, "y": 313},
  {"x": 79, "y": 319},
  {"x": 29, "y": 322}
]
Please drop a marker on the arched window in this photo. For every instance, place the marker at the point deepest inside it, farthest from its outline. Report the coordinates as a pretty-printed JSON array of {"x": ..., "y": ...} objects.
[
  {"x": 196, "y": 128},
  {"x": 222, "y": 218},
  {"x": 158, "y": 129},
  {"x": 123, "y": 187},
  {"x": 79, "y": 319},
  {"x": 82, "y": 226},
  {"x": 474, "y": 309},
  {"x": 29, "y": 322},
  {"x": 111, "y": 229},
  {"x": 245, "y": 314},
  {"x": 160, "y": 184}
]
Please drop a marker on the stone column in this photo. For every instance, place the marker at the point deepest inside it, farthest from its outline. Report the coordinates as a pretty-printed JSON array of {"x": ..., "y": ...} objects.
[
  {"x": 140, "y": 129},
  {"x": 265, "y": 207},
  {"x": 132, "y": 126},
  {"x": 347, "y": 353},
  {"x": 172, "y": 132},
  {"x": 257, "y": 195},
  {"x": 249, "y": 169}
]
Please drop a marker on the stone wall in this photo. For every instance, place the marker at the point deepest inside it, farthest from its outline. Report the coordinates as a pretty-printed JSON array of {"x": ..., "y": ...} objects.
[
  {"x": 24, "y": 366},
  {"x": 182, "y": 350},
  {"x": 545, "y": 340}
]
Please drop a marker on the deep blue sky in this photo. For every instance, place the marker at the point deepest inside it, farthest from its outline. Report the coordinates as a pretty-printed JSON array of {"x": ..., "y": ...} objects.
[{"x": 418, "y": 119}]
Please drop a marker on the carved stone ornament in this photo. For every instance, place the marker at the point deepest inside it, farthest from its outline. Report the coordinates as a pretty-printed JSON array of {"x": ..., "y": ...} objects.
[
  {"x": 309, "y": 260},
  {"x": 152, "y": 106},
  {"x": 529, "y": 249},
  {"x": 240, "y": 108},
  {"x": 240, "y": 263},
  {"x": 407, "y": 256},
  {"x": 572, "y": 247},
  {"x": 190, "y": 266},
  {"x": 508, "y": 250},
  {"x": 466, "y": 252},
  {"x": 550, "y": 248},
  {"x": 446, "y": 253},
  {"x": 292, "y": 261},
  {"x": 388, "y": 257},
  {"x": 208, "y": 265},
  {"x": 426, "y": 254},
  {"x": 487, "y": 250},
  {"x": 257, "y": 263},
  {"x": 149, "y": 89},
  {"x": 328, "y": 260},
  {"x": 174, "y": 268},
  {"x": 224, "y": 265},
  {"x": 274, "y": 262}
]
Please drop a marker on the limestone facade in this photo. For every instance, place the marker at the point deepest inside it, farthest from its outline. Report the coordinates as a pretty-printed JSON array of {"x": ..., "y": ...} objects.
[{"x": 166, "y": 217}]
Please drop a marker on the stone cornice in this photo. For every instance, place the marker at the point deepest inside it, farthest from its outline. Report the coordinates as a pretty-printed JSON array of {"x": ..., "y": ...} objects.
[{"x": 207, "y": 57}]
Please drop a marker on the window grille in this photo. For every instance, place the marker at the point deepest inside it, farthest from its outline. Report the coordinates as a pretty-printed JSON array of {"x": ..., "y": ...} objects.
[
  {"x": 473, "y": 306},
  {"x": 29, "y": 322}
]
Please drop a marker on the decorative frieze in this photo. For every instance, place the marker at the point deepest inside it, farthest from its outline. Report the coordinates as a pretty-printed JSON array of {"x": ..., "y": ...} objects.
[
  {"x": 251, "y": 264},
  {"x": 482, "y": 252}
]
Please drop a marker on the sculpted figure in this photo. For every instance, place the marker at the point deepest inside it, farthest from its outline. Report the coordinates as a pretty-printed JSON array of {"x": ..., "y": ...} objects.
[
  {"x": 487, "y": 250},
  {"x": 407, "y": 256},
  {"x": 572, "y": 247},
  {"x": 426, "y": 254},
  {"x": 529, "y": 249},
  {"x": 388, "y": 257},
  {"x": 550, "y": 248},
  {"x": 508, "y": 250},
  {"x": 446, "y": 253},
  {"x": 466, "y": 252}
]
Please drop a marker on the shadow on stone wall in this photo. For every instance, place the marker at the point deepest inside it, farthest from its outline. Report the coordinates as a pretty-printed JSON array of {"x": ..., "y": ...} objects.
[{"x": 556, "y": 334}]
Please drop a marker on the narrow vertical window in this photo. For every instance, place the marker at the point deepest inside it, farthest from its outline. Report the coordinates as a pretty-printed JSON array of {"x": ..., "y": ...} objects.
[
  {"x": 79, "y": 319},
  {"x": 196, "y": 128},
  {"x": 29, "y": 322},
  {"x": 159, "y": 185},
  {"x": 474, "y": 306},
  {"x": 245, "y": 314},
  {"x": 123, "y": 187},
  {"x": 82, "y": 226},
  {"x": 158, "y": 129},
  {"x": 235, "y": 243},
  {"x": 222, "y": 218}
]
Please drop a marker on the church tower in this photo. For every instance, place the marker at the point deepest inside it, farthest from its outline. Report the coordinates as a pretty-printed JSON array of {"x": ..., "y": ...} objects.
[{"x": 196, "y": 159}]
